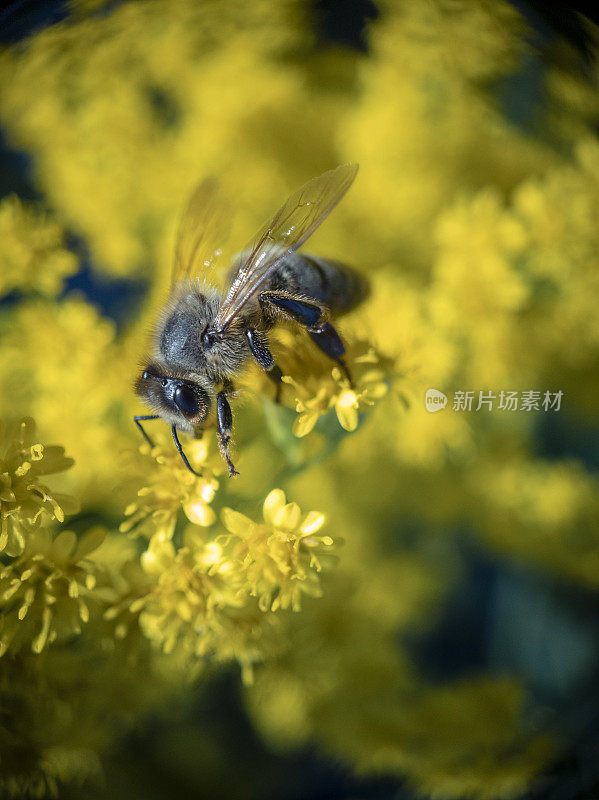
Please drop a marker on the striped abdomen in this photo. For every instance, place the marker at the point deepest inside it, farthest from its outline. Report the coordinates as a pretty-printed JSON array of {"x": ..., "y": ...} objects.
[{"x": 330, "y": 283}]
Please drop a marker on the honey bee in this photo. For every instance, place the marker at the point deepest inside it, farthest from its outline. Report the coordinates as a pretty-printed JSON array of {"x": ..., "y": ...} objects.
[{"x": 204, "y": 337}]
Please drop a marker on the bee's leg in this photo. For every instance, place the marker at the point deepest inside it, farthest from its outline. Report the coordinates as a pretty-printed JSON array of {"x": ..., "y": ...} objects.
[
  {"x": 276, "y": 375},
  {"x": 259, "y": 346},
  {"x": 181, "y": 453},
  {"x": 144, "y": 418},
  {"x": 312, "y": 316},
  {"x": 224, "y": 420}
]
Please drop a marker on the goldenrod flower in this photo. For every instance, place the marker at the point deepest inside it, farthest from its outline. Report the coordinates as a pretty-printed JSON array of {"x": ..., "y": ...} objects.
[
  {"x": 25, "y": 503},
  {"x": 51, "y": 364},
  {"x": 44, "y": 593},
  {"x": 317, "y": 395},
  {"x": 171, "y": 486},
  {"x": 32, "y": 256},
  {"x": 191, "y": 588},
  {"x": 280, "y": 558},
  {"x": 128, "y": 586},
  {"x": 200, "y": 595}
]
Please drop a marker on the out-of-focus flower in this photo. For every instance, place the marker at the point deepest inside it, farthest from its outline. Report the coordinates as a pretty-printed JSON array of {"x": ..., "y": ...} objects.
[
  {"x": 171, "y": 486},
  {"x": 128, "y": 584},
  {"x": 25, "y": 502},
  {"x": 44, "y": 592},
  {"x": 60, "y": 362},
  {"x": 280, "y": 558},
  {"x": 97, "y": 120},
  {"x": 32, "y": 257},
  {"x": 542, "y": 512}
]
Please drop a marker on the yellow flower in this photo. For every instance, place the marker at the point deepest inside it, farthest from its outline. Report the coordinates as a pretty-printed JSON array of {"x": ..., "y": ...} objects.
[
  {"x": 171, "y": 486},
  {"x": 127, "y": 585},
  {"x": 51, "y": 365},
  {"x": 43, "y": 593},
  {"x": 371, "y": 375},
  {"x": 190, "y": 590},
  {"x": 32, "y": 255},
  {"x": 97, "y": 120},
  {"x": 280, "y": 558},
  {"x": 25, "y": 503}
]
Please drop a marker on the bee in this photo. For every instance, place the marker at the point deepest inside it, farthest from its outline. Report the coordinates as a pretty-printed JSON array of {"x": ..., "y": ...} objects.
[{"x": 204, "y": 337}]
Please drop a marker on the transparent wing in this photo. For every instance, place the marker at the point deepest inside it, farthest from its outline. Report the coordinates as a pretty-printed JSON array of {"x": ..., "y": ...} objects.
[
  {"x": 305, "y": 210},
  {"x": 203, "y": 230}
]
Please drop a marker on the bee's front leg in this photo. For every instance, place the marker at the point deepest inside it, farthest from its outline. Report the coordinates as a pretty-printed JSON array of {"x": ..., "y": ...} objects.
[
  {"x": 138, "y": 419},
  {"x": 224, "y": 420}
]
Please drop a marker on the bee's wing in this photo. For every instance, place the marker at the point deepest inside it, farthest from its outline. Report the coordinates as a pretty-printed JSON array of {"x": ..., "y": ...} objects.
[
  {"x": 288, "y": 229},
  {"x": 203, "y": 230}
]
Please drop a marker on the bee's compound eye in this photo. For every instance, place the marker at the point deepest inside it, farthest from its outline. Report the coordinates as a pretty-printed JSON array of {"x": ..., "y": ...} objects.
[{"x": 186, "y": 401}]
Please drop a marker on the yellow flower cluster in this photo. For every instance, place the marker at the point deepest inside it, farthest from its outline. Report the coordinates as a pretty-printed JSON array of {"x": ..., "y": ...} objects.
[
  {"x": 203, "y": 594},
  {"x": 190, "y": 595},
  {"x": 280, "y": 558},
  {"x": 173, "y": 486},
  {"x": 318, "y": 388},
  {"x": 212, "y": 597},
  {"x": 45, "y": 591},
  {"x": 33, "y": 257},
  {"x": 346, "y": 393},
  {"x": 60, "y": 362},
  {"x": 26, "y": 504},
  {"x": 175, "y": 96}
]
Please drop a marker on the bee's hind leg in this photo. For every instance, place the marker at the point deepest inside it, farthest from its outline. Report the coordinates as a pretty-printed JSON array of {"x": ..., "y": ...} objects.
[
  {"x": 224, "y": 422},
  {"x": 259, "y": 346},
  {"x": 329, "y": 341},
  {"x": 311, "y": 315}
]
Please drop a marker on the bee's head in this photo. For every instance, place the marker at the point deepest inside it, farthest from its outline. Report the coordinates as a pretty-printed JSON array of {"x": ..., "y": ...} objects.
[{"x": 180, "y": 401}]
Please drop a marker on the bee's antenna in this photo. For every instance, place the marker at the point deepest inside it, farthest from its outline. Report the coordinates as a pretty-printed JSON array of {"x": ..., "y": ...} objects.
[{"x": 181, "y": 453}]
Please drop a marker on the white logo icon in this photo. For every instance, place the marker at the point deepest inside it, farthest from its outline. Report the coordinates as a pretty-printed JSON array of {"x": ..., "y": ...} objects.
[{"x": 434, "y": 400}]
